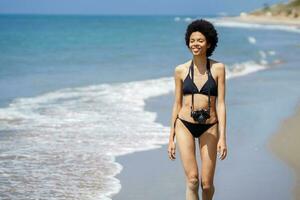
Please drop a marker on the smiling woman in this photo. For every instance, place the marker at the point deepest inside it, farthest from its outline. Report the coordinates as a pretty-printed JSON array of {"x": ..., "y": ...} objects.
[{"x": 205, "y": 118}]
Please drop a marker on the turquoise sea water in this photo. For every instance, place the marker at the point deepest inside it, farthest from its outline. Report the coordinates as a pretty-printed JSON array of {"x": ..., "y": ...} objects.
[
  {"x": 68, "y": 83},
  {"x": 68, "y": 51}
]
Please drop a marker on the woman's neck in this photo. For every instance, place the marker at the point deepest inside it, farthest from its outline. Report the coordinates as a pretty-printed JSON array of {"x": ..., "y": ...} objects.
[{"x": 200, "y": 62}]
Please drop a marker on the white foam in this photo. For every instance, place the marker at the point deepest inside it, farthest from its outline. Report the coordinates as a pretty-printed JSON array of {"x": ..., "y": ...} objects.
[
  {"x": 262, "y": 54},
  {"x": 241, "y": 69},
  {"x": 252, "y": 40},
  {"x": 271, "y": 52},
  {"x": 74, "y": 134},
  {"x": 225, "y": 22},
  {"x": 177, "y": 19},
  {"x": 231, "y": 23},
  {"x": 188, "y": 19}
]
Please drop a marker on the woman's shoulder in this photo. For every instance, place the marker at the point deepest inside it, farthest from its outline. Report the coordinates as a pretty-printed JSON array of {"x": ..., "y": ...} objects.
[
  {"x": 217, "y": 65},
  {"x": 218, "y": 68},
  {"x": 182, "y": 67}
]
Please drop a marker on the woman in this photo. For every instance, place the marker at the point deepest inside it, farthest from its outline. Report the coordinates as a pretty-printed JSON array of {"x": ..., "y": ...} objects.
[{"x": 199, "y": 110}]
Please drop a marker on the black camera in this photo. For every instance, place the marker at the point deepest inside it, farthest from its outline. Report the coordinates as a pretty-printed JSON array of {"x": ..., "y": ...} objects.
[{"x": 200, "y": 115}]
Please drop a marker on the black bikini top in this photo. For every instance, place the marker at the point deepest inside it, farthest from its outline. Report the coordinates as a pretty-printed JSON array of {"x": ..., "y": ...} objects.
[{"x": 189, "y": 86}]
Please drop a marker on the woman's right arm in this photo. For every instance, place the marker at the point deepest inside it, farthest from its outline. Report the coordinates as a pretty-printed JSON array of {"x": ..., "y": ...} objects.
[{"x": 177, "y": 101}]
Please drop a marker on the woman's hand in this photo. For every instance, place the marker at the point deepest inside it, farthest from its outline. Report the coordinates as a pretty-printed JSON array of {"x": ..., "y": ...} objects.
[
  {"x": 172, "y": 150},
  {"x": 222, "y": 148}
]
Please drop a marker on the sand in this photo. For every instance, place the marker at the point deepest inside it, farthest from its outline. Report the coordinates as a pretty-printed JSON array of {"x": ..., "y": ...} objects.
[
  {"x": 285, "y": 144},
  {"x": 150, "y": 175},
  {"x": 249, "y": 167},
  {"x": 266, "y": 20}
]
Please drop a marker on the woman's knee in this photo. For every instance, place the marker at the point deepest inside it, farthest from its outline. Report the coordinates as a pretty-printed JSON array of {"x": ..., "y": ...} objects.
[
  {"x": 207, "y": 185},
  {"x": 193, "y": 181}
]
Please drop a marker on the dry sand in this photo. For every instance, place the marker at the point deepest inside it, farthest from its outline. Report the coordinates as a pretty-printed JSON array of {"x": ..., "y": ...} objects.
[
  {"x": 278, "y": 20},
  {"x": 285, "y": 143}
]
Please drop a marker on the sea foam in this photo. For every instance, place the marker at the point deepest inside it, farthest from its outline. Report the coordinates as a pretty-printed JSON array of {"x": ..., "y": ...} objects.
[{"x": 67, "y": 140}]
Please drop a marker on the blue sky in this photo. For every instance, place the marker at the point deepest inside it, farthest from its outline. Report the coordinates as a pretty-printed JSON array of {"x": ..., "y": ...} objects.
[{"x": 131, "y": 7}]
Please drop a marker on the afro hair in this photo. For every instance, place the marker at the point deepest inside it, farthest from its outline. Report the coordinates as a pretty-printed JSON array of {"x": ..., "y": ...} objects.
[{"x": 207, "y": 29}]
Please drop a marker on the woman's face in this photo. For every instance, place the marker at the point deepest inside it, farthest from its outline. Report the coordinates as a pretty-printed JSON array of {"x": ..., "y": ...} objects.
[{"x": 198, "y": 43}]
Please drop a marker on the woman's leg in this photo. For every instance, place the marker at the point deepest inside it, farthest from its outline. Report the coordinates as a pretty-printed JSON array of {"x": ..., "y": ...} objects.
[
  {"x": 208, "y": 152},
  {"x": 186, "y": 146}
]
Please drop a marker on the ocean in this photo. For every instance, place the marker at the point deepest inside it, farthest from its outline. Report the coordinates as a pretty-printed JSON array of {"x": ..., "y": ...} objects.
[{"x": 73, "y": 91}]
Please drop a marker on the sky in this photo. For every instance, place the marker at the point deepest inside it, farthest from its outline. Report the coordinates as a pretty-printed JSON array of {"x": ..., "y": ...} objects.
[{"x": 132, "y": 7}]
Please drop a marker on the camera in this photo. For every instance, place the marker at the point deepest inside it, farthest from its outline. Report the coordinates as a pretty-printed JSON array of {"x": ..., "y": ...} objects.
[{"x": 200, "y": 115}]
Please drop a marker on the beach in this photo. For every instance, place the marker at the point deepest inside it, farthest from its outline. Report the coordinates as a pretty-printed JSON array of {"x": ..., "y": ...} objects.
[
  {"x": 285, "y": 144},
  {"x": 267, "y": 20},
  {"x": 250, "y": 164},
  {"x": 286, "y": 13},
  {"x": 152, "y": 176},
  {"x": 101, "y": 129}
]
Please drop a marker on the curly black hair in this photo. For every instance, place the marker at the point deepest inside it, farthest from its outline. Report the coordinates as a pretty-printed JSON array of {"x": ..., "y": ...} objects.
[{"x": 207, "y": 29}]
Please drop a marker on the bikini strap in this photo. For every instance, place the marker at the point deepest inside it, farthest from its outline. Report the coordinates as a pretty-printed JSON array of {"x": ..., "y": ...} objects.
[
  {"x": 208, "y": 74},
  {"x": 192, "y": 72}
]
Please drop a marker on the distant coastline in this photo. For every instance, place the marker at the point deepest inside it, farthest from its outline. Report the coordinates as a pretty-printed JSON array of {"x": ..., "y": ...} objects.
[
  {"x": 290, "y": 10},
  {"x": 283, "y": 14}
]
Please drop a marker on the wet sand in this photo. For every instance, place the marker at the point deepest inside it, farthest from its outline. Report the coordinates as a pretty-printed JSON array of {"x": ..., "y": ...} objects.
[
  {"x": 249, "y": 166},
  {"x": 285, "y": 144},
  {"x": 255, "y": 109}
]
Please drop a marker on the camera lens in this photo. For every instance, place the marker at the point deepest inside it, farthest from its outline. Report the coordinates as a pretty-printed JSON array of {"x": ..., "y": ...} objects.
[{"x": 201, "y": 118}]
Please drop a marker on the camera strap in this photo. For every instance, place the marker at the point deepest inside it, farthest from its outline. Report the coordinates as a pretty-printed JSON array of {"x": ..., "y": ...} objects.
[{"x": 208, "y": 74}]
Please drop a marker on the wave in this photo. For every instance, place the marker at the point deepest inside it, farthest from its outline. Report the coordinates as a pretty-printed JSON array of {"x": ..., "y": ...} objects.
[
  {"x": 67, "y": 140},
  {"x": 234, "y": 24},
  {"x": 223, "y": 22}
]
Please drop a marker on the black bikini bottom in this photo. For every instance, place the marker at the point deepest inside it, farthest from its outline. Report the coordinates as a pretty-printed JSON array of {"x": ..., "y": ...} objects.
[{"x": 195, "y": 129}]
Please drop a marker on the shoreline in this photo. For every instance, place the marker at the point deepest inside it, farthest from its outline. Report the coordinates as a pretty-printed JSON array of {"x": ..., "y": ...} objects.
[
  {"x": 137, "y": 182},
  {"x": 167, "y": 178},
  {"x": 265, "y": 20},
  {"x": 285, "y": 144}
]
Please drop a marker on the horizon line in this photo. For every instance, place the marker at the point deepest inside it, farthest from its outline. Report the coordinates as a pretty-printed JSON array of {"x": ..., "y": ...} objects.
[{"x": 114, "y": 14}]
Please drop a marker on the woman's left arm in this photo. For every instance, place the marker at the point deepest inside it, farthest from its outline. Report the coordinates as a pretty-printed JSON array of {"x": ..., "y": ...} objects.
[{"x": 221, "y": 110}]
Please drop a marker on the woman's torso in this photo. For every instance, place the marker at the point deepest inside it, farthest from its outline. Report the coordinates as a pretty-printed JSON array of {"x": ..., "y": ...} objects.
[{"x": 200, "y": 86}]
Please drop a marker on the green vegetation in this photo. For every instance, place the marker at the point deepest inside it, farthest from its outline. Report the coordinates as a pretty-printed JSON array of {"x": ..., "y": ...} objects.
[{"x": 290, "y": 9}]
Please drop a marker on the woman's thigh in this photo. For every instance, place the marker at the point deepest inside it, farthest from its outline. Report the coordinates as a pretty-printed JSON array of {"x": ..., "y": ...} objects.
[
  {"x": 186, "y": 146},
  {"x": 208, "y": 152}
]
